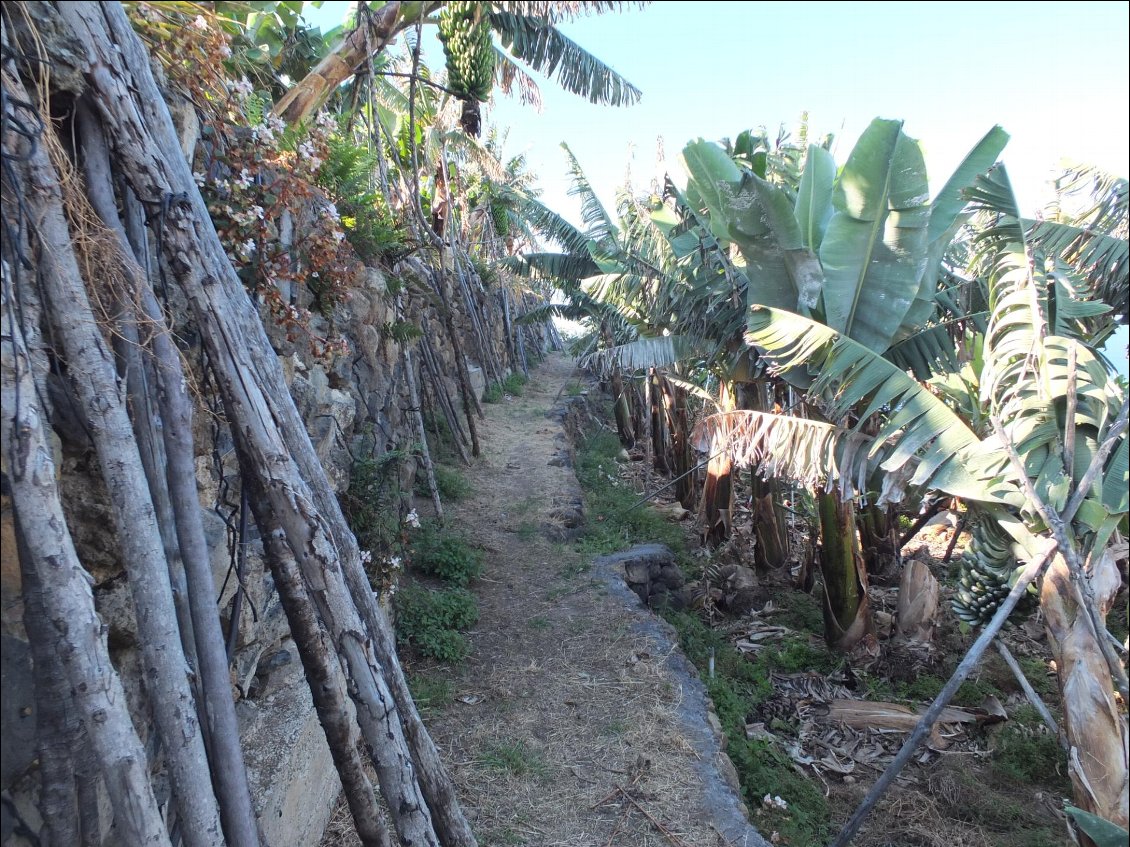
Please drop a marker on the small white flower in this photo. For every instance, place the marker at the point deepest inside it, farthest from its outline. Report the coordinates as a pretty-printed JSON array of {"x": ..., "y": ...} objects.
[
  {"x": 339, "y": 236},
  {"x": 275, "y": 123},
  {"x": 325, "y": 120},
  {"x": 248, "y": 248},
  {"x": 366, "y": 557},
  {"x": 199, "y": 178},
  {"x": 315, "y": 163},
  {"x": 200, "y": 23},
  {"x": 242, "y": 87},
  {"x": 413, "y": 519},
  {"x": 225, "y": 51},
  {"x": 244, "y": 179},
  {"x": 258, "y": 212},
  {"x": 394, "y": 562},
  {"x": 774, "y": 802}
]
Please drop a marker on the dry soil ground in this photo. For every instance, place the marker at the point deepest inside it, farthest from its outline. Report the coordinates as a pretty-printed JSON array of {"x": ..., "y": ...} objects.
[{"x": 569, "y": 693}]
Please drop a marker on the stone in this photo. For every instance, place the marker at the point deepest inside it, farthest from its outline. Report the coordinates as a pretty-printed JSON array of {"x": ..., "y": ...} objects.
[{"x": 292, "y": 776}]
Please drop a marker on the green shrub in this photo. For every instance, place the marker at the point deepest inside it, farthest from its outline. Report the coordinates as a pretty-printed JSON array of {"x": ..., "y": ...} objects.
[
  {"x": 514, "y": 384},
  {"x": 446, "y": 556},
  {"x": 493, "y": 393},
  {"x": 431, "y": 621},
  {"x": 452, "y": 485}
]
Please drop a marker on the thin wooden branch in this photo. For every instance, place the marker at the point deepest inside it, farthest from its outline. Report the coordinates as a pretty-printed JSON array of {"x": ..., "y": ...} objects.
[
  {"x": 1037, "y": 702},
  {"x": 1059, "y": 524},
  {"x": 1031, "y": 572}
]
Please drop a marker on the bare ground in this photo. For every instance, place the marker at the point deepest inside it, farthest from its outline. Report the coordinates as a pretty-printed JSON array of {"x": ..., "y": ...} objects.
[{"x": 568, "y": 694}]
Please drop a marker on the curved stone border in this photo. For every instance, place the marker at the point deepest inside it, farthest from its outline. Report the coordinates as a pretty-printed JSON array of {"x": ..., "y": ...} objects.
[{"x": 697, "y": 719}]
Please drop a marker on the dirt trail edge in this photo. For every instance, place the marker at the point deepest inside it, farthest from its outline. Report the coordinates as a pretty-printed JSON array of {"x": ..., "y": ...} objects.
[{"x": 575, "y": 720}]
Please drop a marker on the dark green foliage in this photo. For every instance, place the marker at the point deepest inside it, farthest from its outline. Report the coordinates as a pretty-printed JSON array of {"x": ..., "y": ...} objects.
[
  {"x": 514, "y": 384},
  {"x": 1026, "y": 751},
  {"x": 612, "y": 522},
  {"x": 445, "y": 556},
  {"x": 433, "y": 621},
  {"x": 515, "y": 757},
  {"x": 452, "y": 485},
  {"x": 370, "y": 225},
  {"x": 370, "y": 501},
  {"x": 493, "y": 393}
]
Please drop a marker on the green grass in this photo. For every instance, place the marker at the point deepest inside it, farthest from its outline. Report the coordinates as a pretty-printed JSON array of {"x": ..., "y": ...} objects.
[
  {"x": 538, "y": 622},
  {"x": 1026, "y": 751},
  {"x": 430, "y": 692},
  {"x": 515, "y": 384},
  {"x": 449, "y": 557},
  {"x": 612, "y": 523},
  {"x": 452, "y": 485},
  {"x": 515, "y": 757},
  {"x": 433, "y": 621}
]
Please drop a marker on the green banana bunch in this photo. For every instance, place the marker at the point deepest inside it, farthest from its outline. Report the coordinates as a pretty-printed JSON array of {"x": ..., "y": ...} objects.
[
  {"x": 464, "y": 29},
  {"x": 985, "y": 574}
]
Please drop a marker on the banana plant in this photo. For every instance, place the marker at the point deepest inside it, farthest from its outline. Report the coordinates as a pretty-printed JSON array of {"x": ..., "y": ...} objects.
[
  {"x": 859, "y": 252},
  {"x": 1053, "y": 461}
]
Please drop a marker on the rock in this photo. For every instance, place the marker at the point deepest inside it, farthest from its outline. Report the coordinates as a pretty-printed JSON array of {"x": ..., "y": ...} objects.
[{"x": 637, "y": 572}]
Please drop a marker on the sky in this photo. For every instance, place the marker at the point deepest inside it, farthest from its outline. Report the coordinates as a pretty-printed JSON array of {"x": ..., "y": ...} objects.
[{"x": 1055, "y": 75}]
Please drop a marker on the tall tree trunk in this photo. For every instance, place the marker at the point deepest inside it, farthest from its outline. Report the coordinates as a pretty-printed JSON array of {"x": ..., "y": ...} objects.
[
  {"x": 58, "y": 733},
  {"x": 675, "y": 408},
  {"x": 300, "y": 103},
  {"x": 621, "y": 409},
  {"x": 218, "y": 713},
  {"x": 95, "y": 382},
  {"x": 847, "y": 609},
  {"x": 76, "y": 631},
  {"x": 325, "y": 687},
  {"x": 1094, "y": 722},
  {"x": 258, "y": 402},
  {"x": 718, "y": 490}
]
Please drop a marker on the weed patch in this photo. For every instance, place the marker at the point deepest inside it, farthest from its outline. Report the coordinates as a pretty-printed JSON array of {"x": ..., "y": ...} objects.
[
  {"x": 448, "y": 557},
  {"x": 432, "y": 621},
  {"x": 515, "y": 757}
]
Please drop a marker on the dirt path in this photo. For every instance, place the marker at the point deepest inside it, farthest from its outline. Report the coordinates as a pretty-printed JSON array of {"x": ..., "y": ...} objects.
[{"x": 571, "y": 689}]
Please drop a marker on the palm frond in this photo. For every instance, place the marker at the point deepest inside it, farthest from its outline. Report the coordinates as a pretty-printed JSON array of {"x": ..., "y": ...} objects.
[
  {"x": 599, "y": 226},
  {"x": 850, "y": 377},
  {"x": 1101, "y": 257},
  {"x": 507, "y": 72},
  {"x": 641, "y": 354},
  {"x": 548, "y": 223},
  {"x": 812, "y": 453},
  {"x": 562, "y": 268},
  {"x": 931, "y": 351},
  {"x": 562, "y": 10},
  {"x": 538, "y": 43}
]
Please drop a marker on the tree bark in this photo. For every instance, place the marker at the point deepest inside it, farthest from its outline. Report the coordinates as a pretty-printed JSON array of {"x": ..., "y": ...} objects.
[
  {"x": 224, "y": 750},
  {"x": 847, "y": 609},
  {"x": 95, "y": 381},
  {"x": 718, "y": 490},
  {"x": 325, "y": 686},
  {"x": 418, "y": 414},
  {"x": 74, "y": 626},
  {"x": 311, "y": 92},
  {"x": 1095, "y": 725},
  {"x": 58, "y": 734},
  {"x": 264, "y": 416}
]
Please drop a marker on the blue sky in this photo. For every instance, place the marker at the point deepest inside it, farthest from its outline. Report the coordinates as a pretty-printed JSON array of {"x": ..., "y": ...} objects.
[{"x": 1056, "y": 76}]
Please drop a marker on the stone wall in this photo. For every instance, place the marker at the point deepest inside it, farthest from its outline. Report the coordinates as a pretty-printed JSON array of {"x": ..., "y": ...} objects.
[{"x": 357, "y": 405}]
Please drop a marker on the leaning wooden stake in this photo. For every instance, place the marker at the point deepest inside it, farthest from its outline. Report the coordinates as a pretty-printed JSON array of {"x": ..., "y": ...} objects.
[
  {"x": 1031, "y": 571},
  {"x": 96, "y": 385},
  {"x": 260, "y": 408},
  {"x": 80, "y": 642},
  {"x": 225, "y": 752}
]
